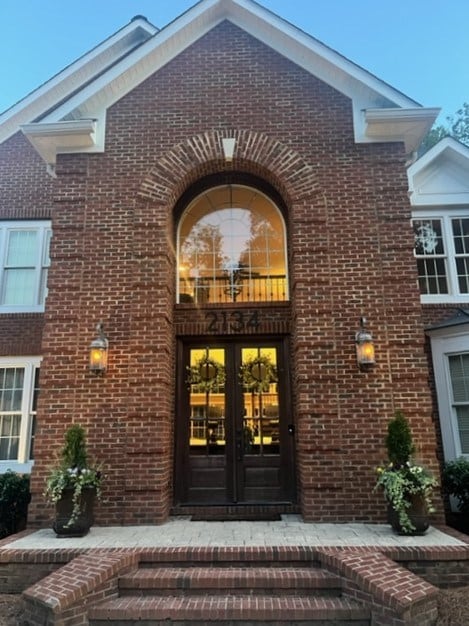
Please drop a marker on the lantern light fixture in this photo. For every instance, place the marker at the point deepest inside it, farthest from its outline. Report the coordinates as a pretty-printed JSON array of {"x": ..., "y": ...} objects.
[
  {"x": 99, "y": 351},
  {"x": 364, "y": 347}
]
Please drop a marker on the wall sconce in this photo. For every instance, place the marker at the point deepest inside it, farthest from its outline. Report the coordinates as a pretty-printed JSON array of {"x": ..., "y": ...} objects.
[
  {"x": 364, "y": 347},
  {"x": 98, "y": 352}
]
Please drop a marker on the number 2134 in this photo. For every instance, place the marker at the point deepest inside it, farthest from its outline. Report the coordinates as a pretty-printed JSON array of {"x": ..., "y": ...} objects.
[{"x": 232, "y": 321}]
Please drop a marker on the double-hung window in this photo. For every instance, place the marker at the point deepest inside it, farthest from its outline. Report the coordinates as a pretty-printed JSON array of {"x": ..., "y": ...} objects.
[
  {"x": 459, "y": 377},
  {"x": 24, "y": 248},
  {"x": 19, "y": 386},
  {"x": 442, "y": 254}
]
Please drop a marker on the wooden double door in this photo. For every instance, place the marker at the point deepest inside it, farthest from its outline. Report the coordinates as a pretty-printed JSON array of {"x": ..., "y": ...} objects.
[{"x": 234, "y": 432}]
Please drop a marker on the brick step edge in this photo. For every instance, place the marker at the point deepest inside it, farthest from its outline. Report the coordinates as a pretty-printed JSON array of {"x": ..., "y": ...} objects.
[
  {"x": 211, "y": 608},
  {"x": 227, "y": 578}
]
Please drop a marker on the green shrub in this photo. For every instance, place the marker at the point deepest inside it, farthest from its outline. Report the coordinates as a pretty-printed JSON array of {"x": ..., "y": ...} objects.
[
  {"x": 456, "y": 482},
  {"x": 14, "y": 499},
  {"x": 398, "y": 441}
]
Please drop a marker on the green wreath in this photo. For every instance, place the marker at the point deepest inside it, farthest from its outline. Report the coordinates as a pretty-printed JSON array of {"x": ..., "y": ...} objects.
[
  {"x": 207, "y": 374},
  {"x": 257, "y": 373}
]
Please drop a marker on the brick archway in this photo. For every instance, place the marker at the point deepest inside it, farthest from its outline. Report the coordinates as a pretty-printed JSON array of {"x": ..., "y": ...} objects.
[
  {"x": 255, "y": 153},
  {"x": 173, "y": 174}
]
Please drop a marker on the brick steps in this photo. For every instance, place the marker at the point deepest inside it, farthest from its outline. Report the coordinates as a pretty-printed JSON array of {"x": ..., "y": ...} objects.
[
  {"x": 223, "y": 587},
  {"x": 229, "y": 580},
  {"x": 242, "y": 609}
]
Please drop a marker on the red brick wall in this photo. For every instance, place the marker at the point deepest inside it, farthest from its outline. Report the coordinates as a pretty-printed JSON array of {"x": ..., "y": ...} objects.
[
  {"x": 350, "y": 249},
  {"x": 25, "y": 193}
]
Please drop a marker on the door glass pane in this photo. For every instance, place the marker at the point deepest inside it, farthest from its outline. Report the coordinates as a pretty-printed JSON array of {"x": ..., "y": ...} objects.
[
  {"x": 206, "y": 378},
  {"x": 260, "y": 400}
]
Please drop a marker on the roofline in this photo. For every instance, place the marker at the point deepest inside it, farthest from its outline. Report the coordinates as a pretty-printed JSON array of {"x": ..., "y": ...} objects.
[
  {"x": 61, "y": 98},
  {"x": 32, "y": 106},
  {"x": 445, "y": 144}
]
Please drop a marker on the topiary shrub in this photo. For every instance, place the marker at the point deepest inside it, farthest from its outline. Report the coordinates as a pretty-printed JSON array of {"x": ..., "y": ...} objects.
[
  {"x": 398, "y": 441},
  {"x": 14, "y": 499}
]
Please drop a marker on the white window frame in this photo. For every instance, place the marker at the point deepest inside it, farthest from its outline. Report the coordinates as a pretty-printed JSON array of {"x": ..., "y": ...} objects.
[
  {"x": 445, "y": 215},
  {"x": 446, "y": 342},
  {"x": 23, "y": 463},
  {"x": 43, "y": 228}
]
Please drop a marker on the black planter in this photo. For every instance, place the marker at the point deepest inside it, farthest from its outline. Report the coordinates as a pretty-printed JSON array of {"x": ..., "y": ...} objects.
[
  {"x": 418, "y": 515},
  {"x": 63, "y": 513}
]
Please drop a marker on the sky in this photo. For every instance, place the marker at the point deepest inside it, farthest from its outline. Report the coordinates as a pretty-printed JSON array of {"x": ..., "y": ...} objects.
[{"x": 420, "y": 47}]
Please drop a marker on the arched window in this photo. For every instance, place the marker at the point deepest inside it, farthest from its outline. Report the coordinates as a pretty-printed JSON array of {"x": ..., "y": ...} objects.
[{"x": 231, "y": 248}]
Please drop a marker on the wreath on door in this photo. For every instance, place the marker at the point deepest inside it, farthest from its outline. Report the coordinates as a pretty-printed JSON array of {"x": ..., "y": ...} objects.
[
  {"x": 257, "y": 373},
  {"x": 207, "y": 374}
]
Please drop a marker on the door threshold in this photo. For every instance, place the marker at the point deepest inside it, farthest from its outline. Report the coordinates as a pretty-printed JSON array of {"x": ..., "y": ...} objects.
[{"x": 236, "y": 512}]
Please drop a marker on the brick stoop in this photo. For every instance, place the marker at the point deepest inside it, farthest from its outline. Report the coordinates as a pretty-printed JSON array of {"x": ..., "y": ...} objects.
[
  {"x": 258, "y": 591},
  {"x": 253, "y": 586}
]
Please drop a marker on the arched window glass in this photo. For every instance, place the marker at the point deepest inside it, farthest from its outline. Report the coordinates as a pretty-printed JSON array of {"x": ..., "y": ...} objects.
[{"x": 231, "y": 248}]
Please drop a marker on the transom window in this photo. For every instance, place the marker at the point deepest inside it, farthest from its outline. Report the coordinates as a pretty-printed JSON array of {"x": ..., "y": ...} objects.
[
  {"x": 24, "y": 249},
  {"x": 231, "y": 248},
  {"x": 19, "y": 386},
  {"x": 442, "y": 254}
]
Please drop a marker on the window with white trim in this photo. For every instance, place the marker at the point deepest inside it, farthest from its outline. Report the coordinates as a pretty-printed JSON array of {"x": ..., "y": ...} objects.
[
  {"x": 459, "y": 376},
  {"x": 24, "y": 249},
  {"x": 19, "y": 387},
  {"x": 442, "y": 254}
]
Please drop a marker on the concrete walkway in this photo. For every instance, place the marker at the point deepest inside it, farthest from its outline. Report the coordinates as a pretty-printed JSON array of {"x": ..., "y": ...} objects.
[{"x": 181, "y": 531}]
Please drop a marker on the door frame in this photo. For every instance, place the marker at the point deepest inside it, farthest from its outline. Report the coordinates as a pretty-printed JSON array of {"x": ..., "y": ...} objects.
[{"x": 286, "y": 423}]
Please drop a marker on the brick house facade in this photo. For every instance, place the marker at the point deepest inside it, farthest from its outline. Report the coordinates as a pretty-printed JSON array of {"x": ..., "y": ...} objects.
[{"x": 114, "y": 156}]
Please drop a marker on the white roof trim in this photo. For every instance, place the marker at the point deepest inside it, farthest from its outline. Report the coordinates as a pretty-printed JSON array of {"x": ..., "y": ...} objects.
[
  {"x": 407, "y": 125},
  {"x": 72, "y": 78},
  {"x": 441, "y": 176},
  {"x": 100, "y": 90},
  {"x": 70, "y": 136}
]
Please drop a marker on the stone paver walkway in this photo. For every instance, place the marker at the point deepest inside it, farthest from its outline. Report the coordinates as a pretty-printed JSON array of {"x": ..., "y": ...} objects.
[{"x": 181, "y": 531}]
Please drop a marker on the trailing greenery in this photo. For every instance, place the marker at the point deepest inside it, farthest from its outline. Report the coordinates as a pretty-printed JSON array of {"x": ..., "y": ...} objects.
[
  {"x": 14, "y": 499},
  {"x": 455, "y": 482},
  {"x": 73, "y": 472},
  {"x": 401, "y": 479}
]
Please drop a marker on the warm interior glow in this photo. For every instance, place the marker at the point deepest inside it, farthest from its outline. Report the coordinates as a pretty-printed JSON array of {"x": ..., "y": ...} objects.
[
  {"x": 365, "y": 352},
  {"x": 98, "y": 359}
]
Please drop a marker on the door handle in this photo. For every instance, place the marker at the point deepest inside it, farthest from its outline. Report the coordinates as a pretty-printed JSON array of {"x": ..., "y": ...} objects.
[
  {"x": 239, "y": 445},
  {"x": 291, "y": 429}
]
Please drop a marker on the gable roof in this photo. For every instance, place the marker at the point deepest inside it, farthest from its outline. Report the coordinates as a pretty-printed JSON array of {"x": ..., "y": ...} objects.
[
  {"x": 441, "y": 175},
  {"x": 85, "y": 89}
]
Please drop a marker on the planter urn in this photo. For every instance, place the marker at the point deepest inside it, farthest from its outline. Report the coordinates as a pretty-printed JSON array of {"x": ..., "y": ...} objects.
[{"x": 63, "y": 513}]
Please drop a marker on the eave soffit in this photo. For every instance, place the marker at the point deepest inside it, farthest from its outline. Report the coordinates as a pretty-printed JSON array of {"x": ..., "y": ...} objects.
[{"x": 85, "y": 89}]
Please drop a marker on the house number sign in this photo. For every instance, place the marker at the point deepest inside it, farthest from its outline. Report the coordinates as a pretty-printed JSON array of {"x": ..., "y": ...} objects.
[{"x": 232, "y": 321}]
